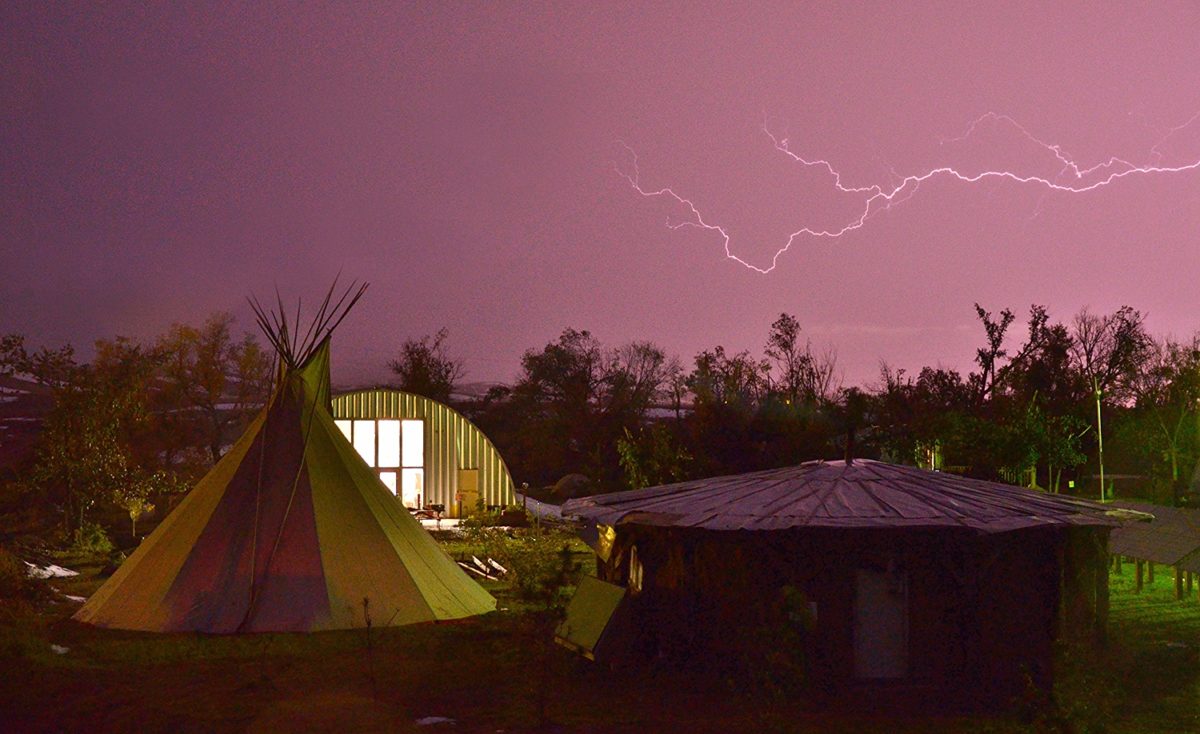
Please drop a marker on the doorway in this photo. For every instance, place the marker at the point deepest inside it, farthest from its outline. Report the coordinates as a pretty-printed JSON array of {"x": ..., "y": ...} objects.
[{"x": 880, "y": 624}]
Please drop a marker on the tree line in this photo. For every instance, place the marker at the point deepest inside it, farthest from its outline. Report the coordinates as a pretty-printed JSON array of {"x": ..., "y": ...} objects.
[
  {"x": 1049, "y": 407},
  {"x": 1052, "y": 407},
  {"x": 137, "y": 423}
]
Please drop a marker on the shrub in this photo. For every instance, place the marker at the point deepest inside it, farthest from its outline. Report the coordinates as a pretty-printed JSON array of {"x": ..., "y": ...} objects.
[
  {"x": 534, "y": 557},
  {"x": 15, "y": 582},
  {"x": 91, "y": 539}
]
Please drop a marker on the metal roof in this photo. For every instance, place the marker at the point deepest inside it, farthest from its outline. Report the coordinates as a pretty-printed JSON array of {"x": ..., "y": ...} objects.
[
  {"x": 837, "y": 494},
  {"x": 1172, "y": 537}
]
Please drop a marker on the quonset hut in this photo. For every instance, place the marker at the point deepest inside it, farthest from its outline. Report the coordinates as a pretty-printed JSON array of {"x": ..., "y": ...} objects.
[
  {"x": 909, "y": 579},
  {"x": 426, "y": 452}
]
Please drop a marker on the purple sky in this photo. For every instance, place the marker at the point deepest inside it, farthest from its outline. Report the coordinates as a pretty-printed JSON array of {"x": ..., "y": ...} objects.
[{"x": 159, "y": 163}]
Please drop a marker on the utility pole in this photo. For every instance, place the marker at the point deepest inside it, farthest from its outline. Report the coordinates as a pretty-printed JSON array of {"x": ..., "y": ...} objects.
[{"x": 1099, "y": 435}]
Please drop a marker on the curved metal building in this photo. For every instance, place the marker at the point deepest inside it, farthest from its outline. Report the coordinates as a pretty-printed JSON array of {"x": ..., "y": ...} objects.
[{"x": 426, "y": 452}]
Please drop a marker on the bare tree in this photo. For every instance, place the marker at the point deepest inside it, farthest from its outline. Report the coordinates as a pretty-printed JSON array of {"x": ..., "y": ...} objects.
[
  {"x": 1107, "y": 351},
  {"x": 802, "y": 375}
]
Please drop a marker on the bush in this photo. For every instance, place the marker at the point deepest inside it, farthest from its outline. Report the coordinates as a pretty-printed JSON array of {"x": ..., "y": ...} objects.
[
  {"x": 92, "y": 540},
  {"x": 15, "y": 582},
  {"x": 534, "y": 557}
]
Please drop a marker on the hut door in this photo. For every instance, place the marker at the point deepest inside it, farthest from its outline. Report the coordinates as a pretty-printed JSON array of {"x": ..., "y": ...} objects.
[
  {"x": 880, "y": 624},
  {"x": 468, "y": 491}
]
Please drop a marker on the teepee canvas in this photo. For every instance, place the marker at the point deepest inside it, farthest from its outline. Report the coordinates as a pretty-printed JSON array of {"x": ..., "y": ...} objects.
[{"x": 290, "y": 531}]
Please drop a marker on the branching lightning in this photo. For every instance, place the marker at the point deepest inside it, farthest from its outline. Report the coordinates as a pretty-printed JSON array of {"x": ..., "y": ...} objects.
[{"x": 1072, "y": 178}]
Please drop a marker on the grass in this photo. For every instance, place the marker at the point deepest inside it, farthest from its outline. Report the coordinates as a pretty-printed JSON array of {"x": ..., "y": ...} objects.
[
  {"x": 483, "y": 672},
  {"x": 1155, "y": 656}
]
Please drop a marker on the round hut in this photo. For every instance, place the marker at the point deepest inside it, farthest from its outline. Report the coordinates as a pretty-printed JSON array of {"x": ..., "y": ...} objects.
[{"x": 890, "y": 577}]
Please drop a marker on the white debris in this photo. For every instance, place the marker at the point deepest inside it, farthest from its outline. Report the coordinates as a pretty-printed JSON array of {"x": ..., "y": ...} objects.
[
  {"x": 76, "y": 599},
  {"x": 431, "y": 720},
  {"x": 1175, "y": 645},
  {"x": 446, "y": 523},
  {"x": 49, "y": 572},
  {"x": 60, "y": 650}
]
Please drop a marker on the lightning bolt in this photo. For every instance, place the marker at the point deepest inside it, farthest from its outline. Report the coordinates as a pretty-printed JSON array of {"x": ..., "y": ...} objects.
[{"x": 1071, "y": 178}]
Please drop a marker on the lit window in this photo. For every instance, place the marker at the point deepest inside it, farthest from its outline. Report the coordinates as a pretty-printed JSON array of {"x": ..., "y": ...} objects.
[
  {"x": 364, "y": 440},
  {"x": 412, "y": 486},
  {"x": 389, "y": 480},
  {"x": 636, "y": 571},
  {"x": 396, "y": 449},
  {"x": 413, "y": 444},
  {"x": 389, "y": 443}
]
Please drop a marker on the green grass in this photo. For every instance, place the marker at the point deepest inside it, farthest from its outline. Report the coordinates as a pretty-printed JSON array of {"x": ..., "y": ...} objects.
[
  {"x": 494, "y": 672},
  {"x": 1155, "y": 653}
]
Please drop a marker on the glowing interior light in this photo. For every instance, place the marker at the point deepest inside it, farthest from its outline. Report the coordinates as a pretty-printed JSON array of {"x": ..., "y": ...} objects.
[
  {"x": 344, "y": 427},
  {"x": 389, "y": 443},
  {"x": 389, "y": 480},
  {"x": 413, "y": 443},
  {"x": 364, "y": 440},
  {"x": 412, "y": 486}
]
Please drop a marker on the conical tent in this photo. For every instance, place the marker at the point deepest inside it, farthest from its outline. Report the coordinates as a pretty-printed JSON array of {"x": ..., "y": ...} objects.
[{"x": 290, "y": 531}]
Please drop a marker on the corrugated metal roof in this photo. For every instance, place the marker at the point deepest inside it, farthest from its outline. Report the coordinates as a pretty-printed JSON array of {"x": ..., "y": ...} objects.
[
  {"x": 1172, "y": 537},
  {"x": 834, "y": 494}
]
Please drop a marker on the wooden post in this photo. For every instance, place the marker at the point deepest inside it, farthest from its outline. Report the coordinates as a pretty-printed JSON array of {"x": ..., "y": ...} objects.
[
  {"x": 1139, "y": 577},
  {"x": 1178, "y": 584},
  {"x": 1117, "y": 563},
  {"x": 1150, "y": 572},
  {"x": 1189, "y": 583}
]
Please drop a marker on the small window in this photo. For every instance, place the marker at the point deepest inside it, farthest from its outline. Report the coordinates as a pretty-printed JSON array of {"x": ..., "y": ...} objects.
[
  {"x": 344, "y": 427},
  {"x": 636, "y": 571}
]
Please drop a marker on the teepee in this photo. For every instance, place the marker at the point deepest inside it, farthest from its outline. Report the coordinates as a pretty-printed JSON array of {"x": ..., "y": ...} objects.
[{"x": 290, "y": 531}]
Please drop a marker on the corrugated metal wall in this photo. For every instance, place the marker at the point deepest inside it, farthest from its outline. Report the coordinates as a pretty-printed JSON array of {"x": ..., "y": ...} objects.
[{"x": 451, "y": 443}]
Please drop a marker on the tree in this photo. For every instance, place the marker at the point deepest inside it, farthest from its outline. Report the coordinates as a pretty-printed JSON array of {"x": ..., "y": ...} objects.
[
  {"x": 802, "y": 376},
  {"x": 727, "y": 391},
  {"x": 923, "y": 419},
  {"x": 1037, "y": 399},
  {"x": 654, "y": 456},
  {"x": 988, "y": 356},
  {"x": 426, "y": 368},
  {"x": 86, "y": 450},
  {"x": 212, "y": 385},
  {"x": 737, "y": 381},
  {"x": 1166, "y": 391},
  {"x": 49, "y": 367},
  {"x": 1107, "y": 350},
  {"x": 554, "y": 404},
  {"x": 1043, "y": 368}
]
